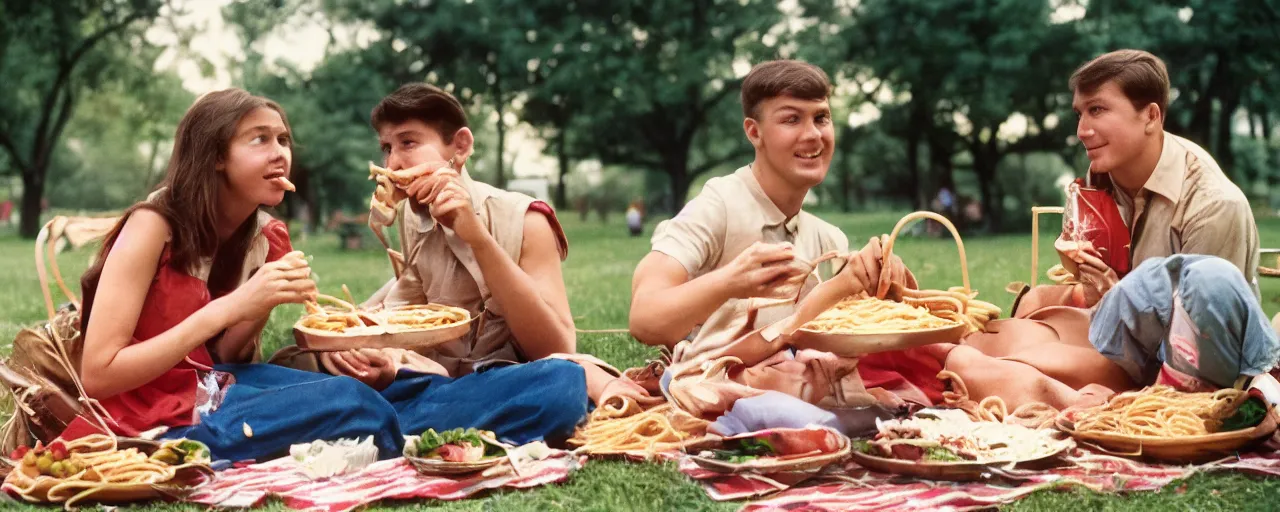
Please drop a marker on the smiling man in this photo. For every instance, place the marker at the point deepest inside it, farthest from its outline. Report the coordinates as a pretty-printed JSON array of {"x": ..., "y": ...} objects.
[
  {"x": 1187, "y": 316},
  {"x": 737, "y": 239},
  {"x": 1172, "y": 195},
  {"x": 740, "y": 255}
]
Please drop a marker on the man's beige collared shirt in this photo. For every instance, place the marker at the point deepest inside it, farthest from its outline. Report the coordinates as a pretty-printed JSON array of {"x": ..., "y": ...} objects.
[
  {"x": 1189, "y": 206},
  {"x": 728, "y": 215}
]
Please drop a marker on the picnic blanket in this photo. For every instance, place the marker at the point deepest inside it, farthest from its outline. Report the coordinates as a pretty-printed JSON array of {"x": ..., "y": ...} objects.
[
  {"x": 392, "y": 479},
  {"x": 849, "y": 486}
]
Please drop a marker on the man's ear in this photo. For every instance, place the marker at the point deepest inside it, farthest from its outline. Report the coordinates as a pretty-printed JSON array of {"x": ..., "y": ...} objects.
[
  {"x": 1152, "y": 120},
  {"x": 463, "y": 145},
  {"x": 752, "y": 128}
]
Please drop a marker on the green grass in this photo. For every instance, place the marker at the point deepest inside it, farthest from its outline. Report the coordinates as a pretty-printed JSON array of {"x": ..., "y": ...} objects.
[{"x": 598, "y": 277}]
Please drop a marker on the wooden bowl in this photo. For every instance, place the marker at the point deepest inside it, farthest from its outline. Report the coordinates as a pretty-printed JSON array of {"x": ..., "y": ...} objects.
[
  {"x": 965, "y": 471},
  {"x": 389, "y": 336},
  {"x": 853, "y": 345},
  {"x": 37, "y": 488},
  {"x": 1188, "y": 449},
  {"x": 439, "y": 467},
  {"x": 834, "y": 447}
]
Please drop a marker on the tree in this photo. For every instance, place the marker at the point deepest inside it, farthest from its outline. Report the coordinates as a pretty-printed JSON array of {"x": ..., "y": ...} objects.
[
  {"x": 480, "y": 48},
  {"x": 559, "y": 95},
  {"x": 966, "y": 70},
  {"x": 51, "y": 55},
  {"x": 669, "y": 65},
  {"x": 118, "y": 140},
  {"x": 1219, "y": 55}
]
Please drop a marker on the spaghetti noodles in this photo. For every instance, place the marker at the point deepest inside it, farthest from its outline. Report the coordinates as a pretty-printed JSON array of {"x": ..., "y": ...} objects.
[
  {"x": 1161, "y": 411},
  {"x": 98, "y": 465},
  {"x": 861, "y": 314},
  {"x": 351, "y": 320},
  {"x": 626, "y": 428},
  {"x": 1035, "y": 415}
]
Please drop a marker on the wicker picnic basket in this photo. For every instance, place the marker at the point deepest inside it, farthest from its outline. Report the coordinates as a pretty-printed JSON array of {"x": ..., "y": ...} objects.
[{"x": 856, "y": 344}]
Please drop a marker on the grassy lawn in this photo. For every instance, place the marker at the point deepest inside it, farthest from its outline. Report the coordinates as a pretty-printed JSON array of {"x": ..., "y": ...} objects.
[{"x": 598, "y": 276}]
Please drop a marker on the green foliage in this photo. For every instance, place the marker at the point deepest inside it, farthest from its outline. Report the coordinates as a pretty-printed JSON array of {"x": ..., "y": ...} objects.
[
  {"x": 51, "y": 53},
  {"x": 118, "y": 141}
]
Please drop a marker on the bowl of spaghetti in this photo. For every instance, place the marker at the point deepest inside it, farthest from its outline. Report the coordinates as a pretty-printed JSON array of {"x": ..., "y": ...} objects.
[
  {"x": 410, "y": 327},
  {"x": 1161, "y": 423},
  {"x": 861, "y": 325},
  {"x": 97, "y": 469}
]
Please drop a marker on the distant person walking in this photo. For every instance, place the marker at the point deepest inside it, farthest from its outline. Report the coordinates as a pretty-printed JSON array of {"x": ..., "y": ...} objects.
[{"x": 635, "y": 219}]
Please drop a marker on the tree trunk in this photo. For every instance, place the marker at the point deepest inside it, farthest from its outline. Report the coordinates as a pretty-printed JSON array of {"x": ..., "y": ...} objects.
[
  {"x": 32, "y": 196},
  {"x": 913, "y": 156},
  {"x": 847, "y": 146},
  {"x": 846, "y": 183},
  {"x": 500, "y": 104},
  {"x": 1224, "y": 155},
  {"x": 1201, "y": 127},
  {"x": 500, "y": 180},
  {"x": 150, "y": 172},
  {"x": 678, "y": 173},
  {"x": 940, "y": 160},
  {"x": 1273, "y": 157},
  {"x": 984, "y": 167},
  {"x": 562, "y": 155}
]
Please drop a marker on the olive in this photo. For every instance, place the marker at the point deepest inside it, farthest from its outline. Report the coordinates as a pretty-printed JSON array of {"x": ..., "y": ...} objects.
[
  {"x": 166, "y": 456},
  {"x": 43, "y": 463}
]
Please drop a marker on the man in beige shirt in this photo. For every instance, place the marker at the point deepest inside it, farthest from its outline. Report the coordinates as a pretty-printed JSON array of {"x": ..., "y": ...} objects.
[
  {"x": 1188, "y": 315},
  {"x": 744, "y": 237},
  {"x": 742, "y": 253}
]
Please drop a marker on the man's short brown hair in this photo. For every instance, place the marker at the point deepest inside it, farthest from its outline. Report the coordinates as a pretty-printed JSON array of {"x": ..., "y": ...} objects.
[
  {"x": 775, "y": 78},
  {"x": 423, "y": 102},
  {"x": 1141, "y": 76}
]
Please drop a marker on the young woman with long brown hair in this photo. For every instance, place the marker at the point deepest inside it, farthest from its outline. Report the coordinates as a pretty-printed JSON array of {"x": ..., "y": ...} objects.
[{"x": 184, "y": 285}]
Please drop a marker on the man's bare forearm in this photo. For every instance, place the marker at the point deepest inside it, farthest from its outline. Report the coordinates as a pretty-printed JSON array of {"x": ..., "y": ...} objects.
[{"x": 663, "y": 316}]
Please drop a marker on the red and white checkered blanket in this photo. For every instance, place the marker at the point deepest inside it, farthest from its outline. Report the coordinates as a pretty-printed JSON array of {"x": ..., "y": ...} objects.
[
  {"x": 852, "y": 487},
  {"x": 392, "y": 479}
]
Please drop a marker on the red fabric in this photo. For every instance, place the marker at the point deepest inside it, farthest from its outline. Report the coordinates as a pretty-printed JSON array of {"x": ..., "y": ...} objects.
[
  {"x": 562, "y": 242},
  {"x": 899, "y": 371},
  {"x": 170, "y": 399},
  {"x": 394, "y": 479},
  {"x": 79, "y": 428}
]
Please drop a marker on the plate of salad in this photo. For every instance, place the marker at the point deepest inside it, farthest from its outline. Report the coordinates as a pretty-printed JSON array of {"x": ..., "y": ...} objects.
[
  {"x": 454, "y": 452},
  {"x": 775, "y": 451}
]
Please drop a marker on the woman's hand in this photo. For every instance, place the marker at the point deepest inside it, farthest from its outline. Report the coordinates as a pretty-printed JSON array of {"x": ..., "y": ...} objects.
[{"x": 284, "y": 281}]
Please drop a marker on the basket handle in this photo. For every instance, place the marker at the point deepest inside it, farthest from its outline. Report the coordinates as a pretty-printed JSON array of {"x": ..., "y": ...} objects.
[
  {"x": 1035, "y": 237},
  {"x": 888, "y": 246},
  {"x": 46, "y": 248}
]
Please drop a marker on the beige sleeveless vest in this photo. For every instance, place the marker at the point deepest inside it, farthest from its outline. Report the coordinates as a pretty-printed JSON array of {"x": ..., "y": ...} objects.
[{"x": 448, "y": 273}]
